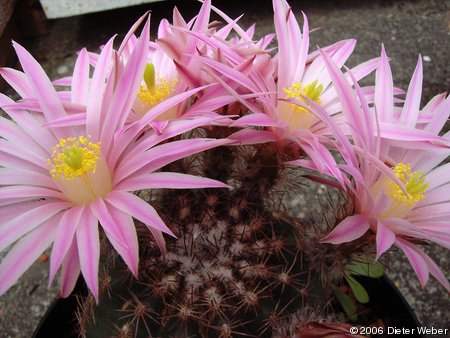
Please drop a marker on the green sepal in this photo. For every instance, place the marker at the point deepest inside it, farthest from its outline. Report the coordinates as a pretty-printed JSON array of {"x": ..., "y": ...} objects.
[
  {"x": 347, "y": 304},
  {"x": 358, "y": 290},
  {"x": 368, "y": 269}
]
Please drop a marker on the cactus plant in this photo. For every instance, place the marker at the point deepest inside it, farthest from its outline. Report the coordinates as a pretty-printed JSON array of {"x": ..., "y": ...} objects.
[
  {"x": 200, "y": 108},
  {"x": 240, "y": 265}
]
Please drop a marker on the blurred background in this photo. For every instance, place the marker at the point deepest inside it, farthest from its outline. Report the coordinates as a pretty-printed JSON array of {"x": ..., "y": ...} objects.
[{"x": 53, "y": 31}]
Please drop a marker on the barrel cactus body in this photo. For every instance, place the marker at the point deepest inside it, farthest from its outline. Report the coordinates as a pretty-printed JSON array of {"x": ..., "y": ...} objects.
[{"x": 240, "y": 266}]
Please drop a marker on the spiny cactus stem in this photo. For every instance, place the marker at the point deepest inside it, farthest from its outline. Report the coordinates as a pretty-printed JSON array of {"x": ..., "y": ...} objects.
[{"x": 263, "y": 167}]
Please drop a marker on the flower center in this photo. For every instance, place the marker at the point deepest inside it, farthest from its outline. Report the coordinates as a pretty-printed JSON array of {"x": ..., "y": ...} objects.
[
  {"x": 79, "y": 170},
  {"x": 73, "y": 157},
  {"x": 414, "y": 182},
  {"x": 402, "y": 203},
  {"x": 155, "y": 90},
  {"x": 311, "y": 91},
  {"x": 295, "y": 116}
]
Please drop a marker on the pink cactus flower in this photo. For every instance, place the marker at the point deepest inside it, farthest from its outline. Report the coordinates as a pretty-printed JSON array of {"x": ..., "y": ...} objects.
[
  {"x": 278, "y": 91},
  {"x": 59, "y": 180},
  {"x": 399, "y": 191}
]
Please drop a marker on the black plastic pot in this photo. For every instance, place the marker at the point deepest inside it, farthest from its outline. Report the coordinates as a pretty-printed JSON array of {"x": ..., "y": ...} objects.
[
  {"x": 388, "y": 304},
  {"x": 385, "y": 300},
  {"x": 60, "y": 320}
]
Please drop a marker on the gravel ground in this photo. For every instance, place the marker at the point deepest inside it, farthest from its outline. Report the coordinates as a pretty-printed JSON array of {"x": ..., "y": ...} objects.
[{"x": 407, "y": 28}]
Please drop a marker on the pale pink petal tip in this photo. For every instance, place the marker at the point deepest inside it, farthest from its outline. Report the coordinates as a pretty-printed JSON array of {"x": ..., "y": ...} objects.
[{"x": 348, "y": 230}]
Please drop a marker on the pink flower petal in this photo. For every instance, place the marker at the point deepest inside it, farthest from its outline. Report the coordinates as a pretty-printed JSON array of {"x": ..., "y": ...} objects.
[
  {"x": 348, "y": 230},
  {"x": 89, "y": 250},
  {"x": 16, "y": 137},
  {"x": 208, "y": 104},
  {"x": 303, "y": 39},
  {"x": 416, "y": 138},
  {"x": 385, "y": 238},
  {"x": 161, "y": 155},
  {"x": 371, "y": 124},
  {"x": 381, "y": 166},
  {"x": 251, "y": 136},
  {"x": 70, "y": 269},
  {"x": 41, "y": 85},
  {"x": 225, "y": 31},
  {"x": 80, "y": 79},
  {"x": 436, "y": 272},
  {"x": 436, "y": 195},
  {"x": 11, "y": 211},
  {"x": 318, "y": 70},
  {"x": 175, "y": 128},
  {"x": 130, "y": 33},
  {"x": 416, "y": 259},
  {"x": 68, "y": 121},
  {"x": 229, "y": 72},
  {"x": 440, "y": 117},
  {"x": 319, "y": 154},
  {"x": 64, "y": 236},
  {"x": 30, "y": 125},
  {"x": 252, "y": 107},
  {"x": 255, "y": 119},
  {"x": 350, "y": 106},
  {"x": 139, "y": 209},
  {"x": 441, "y": 238},
  {"x": 427, "y": 213},
  {"x": 29, "y": 192},
  {"x": 109, "y": 225},
  {"x": 126, "y": 89},
  {"x": 98, "y": 87},
  {"x": 384, "y": 101},
  {"x": 20, "y": 225},
  {"x": 202, "y": 20},
  {"x": 438, "y": 177},
  {"x": 33, "y": 105},
  {"x": 160, "y": 241},
  {"x": 162, "y": 107},
  {"x": 215, "y": 44},
  {"x": 187, "y": 74},
  {"x": 159, "y": 126},
  {"x": 24, "y": 253},
  {"x": 18, "y": 81},
  {"x": 64, "y": 81},
  {"x": 167, "y": 180},
  {"x": 17, "y": 150},
  {"x": 343, "y": 143},
  {"x": 238, "y": 29},
  {"x": 411, "y": 107},
  {"x": 11, "y": 161},
  {"x": 282, "y": 13},
  {"x": 130, "y": 252}
]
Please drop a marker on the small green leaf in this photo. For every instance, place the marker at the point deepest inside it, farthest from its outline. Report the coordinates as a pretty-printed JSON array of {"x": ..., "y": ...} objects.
[
  {"x": 149, "y": 76},
  {"x": 358, "y": 290},
  {"x": 346, "y": 303},
  {"x": 367, "y": 269}
]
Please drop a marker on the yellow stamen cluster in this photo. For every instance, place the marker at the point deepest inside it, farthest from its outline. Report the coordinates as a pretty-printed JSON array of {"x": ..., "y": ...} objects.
[
  {"x": 73, "y": 157},
  {"x": 294, "y": 116},
  {"x": 311, "y": 91},
  {"x": 414, "y": 182},
  {"x": 155, "y": 89},
  {"x": 163, "y": 88}
]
